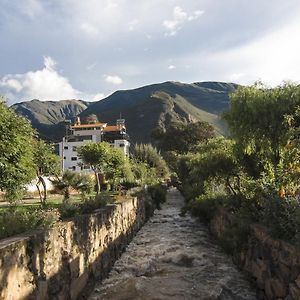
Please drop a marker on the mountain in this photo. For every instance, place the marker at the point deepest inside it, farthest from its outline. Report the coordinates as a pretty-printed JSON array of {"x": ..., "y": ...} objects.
[
  {"x": 145, "y": 108},
  {"x": 157, "y": 105},
  {"x": 48, "y": 116}
]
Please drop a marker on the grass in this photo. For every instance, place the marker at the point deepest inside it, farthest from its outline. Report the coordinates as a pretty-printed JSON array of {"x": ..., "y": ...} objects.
[{"x": 53, "y": 201}]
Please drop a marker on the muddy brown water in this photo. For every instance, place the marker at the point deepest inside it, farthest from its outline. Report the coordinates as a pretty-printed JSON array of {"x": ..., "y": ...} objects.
[{"x": 173, "y": 257}]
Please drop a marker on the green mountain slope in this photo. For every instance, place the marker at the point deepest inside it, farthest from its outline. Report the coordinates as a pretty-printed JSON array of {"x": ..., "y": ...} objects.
[
  {"x": 155, "y": 105},
  {"x": 144, "y": 108},
  {"x": 48, "y": 116}
]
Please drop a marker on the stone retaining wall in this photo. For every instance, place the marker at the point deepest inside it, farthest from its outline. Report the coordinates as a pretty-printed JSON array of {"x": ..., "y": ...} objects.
[
  {"x": 273, "y": 264},
  {"x": 59, "y": 263}
]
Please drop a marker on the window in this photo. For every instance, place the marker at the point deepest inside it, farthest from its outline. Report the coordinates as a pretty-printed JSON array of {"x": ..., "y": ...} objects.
[
  {"x": 74, "y": 168},
  {"x": 65, "y": 157},
  {"x": 66, "y": 147},
  {"x": 74, "y": 148},
  {"x": 74, "y": 158},
  {"x": 121, "y": 145}
]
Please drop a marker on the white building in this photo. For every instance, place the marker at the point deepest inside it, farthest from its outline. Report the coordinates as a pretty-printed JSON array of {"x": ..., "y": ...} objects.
[{"x": 79, "y": 134}]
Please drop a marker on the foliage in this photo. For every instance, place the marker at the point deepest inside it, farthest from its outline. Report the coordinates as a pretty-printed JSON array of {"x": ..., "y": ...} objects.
[
  {"x": 158, "y": 194},
  {"x": 71, "y": 180},
  {"x": 256, "y": 120},
  {"x": 15, "y": 221},
  {"x": 103, "y": 159},
  {"x": 114, "y": 169},
  {"x": 47, "y": 163},
  {"x": 212, "y": 169},
  {"x": 16, "y": 153},
  {"x": 256, "y": 175},
  {"x": 143, "y": 173},
  {"x": 148, "y": 154},
  {"x": 91, "y": 119},
  {"x": 180, "y": 137}
]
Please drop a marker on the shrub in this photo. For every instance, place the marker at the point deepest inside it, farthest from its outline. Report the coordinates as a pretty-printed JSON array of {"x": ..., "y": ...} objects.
[
  {"x": 158, "y": 194},
  {"x": 282, "y": 217},
  {"x": 92, "y": 203},
  {"x": 18, "y": 220},
  {"x": 68, "y": 210}
]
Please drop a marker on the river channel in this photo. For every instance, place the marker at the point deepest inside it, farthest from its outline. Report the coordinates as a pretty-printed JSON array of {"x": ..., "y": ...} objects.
[{"x": 173, "y": 257}]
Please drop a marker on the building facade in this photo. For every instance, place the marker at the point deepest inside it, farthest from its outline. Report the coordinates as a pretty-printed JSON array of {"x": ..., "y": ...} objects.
[{"x": 80, "y": 134}]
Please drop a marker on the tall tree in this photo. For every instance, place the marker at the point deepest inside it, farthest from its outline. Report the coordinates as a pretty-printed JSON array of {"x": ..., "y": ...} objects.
[
  {"x": 47, "y": 163},
  {"x": 181, "y": 137},
  {"x": 16, "y": 152},
  {"x": 148, "y": 154},
  {"x": 102, "y": 159},
  {"x": 256, "y": 119}
]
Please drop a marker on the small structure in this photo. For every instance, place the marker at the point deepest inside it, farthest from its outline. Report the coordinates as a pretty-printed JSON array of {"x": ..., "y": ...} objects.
[{"x": 79, "y": 134}]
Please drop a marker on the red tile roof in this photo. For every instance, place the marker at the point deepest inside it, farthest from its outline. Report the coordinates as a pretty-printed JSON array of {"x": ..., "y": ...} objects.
[
  {"x": 88, "y": 125},
  {"x": 112, "y": 128}
]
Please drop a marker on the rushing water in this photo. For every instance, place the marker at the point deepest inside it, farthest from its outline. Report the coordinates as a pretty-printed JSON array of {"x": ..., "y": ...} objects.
[{"x": 173, "y": 257}]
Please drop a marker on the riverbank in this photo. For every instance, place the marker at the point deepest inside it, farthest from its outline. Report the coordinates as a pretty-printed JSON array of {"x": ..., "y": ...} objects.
[
  {"x": 173, "y": 257},
  {"x": 59, "y": 263}
]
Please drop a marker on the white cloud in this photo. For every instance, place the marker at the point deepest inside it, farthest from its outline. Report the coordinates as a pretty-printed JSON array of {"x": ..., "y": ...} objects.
[
  {"x": 196, "y": 15},
  {"x": 179, "y": 18},
  {"x": 114, "y": 79},
  {"x": 32, "y": 8},
  {"x": 96, "y": 97},
  {"x": 89, "y": 29},
  {"x": 133, "y": 24},
  {"x": 271, "y": 58},
  {"x": 44, "y": 84},
  {"x": 171, "y": 67}
]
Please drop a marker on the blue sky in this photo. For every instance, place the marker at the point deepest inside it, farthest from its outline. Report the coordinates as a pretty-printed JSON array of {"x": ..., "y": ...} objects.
[{"x": 63, "y": 49}]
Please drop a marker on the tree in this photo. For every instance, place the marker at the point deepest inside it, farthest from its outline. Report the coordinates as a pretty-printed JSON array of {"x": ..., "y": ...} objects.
[
  {"x": 150, "y": 155},
  {"x": 256, "y": 119},
  {"x": 115, "y": 166},
  {"x": 103, "y": 159},
  {"x": 16, "y": 152},
  {"x": 92, "y": 119},
  {"x": 181, "y": 137},
  {"x": 212, "y": 162},
  {"x": 46, "y": 163}
]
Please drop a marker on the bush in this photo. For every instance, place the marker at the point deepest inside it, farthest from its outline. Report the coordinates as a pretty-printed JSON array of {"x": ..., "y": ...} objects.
[
  {"x": 235, "y": 237},
  {"x": 93, "y": 203},
  {"x": 282, "y": 217},
  {"x": 68, "y": 210},
  {"x": 18, "y": 220},
  {"x": 205, "y": 207},
  {"x": 158, "y": 194}
]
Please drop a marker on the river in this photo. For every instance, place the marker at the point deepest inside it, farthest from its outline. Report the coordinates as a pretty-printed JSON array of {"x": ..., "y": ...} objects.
[{"x": 173, "y": 257}]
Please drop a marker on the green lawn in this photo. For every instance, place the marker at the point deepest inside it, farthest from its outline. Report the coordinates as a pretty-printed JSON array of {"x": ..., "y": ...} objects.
[{"x": 52, "y": 201}]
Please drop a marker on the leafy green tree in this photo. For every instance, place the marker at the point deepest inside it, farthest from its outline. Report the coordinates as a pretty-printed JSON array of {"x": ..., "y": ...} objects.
[
  {"x": 16, "y": 153},
  {"x": 114, "y": 169},
  {"x": 149, "y": 154},
  {"x": 212, "y": 168},
  {"x": 47, "y": 163},
  {"x": 256, "y": 119},
  {"x": 181, "y": 137},
  {"x": 103, "y": 159}
]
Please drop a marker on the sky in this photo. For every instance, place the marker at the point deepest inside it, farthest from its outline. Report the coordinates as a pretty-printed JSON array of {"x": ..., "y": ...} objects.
[{"x": 74, "y": 49}]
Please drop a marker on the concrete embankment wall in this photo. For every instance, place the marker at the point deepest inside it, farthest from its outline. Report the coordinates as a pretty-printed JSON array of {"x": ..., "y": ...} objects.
[
  {"x": 59, "y": 263},
  {"x": 273, "y": 264}
]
